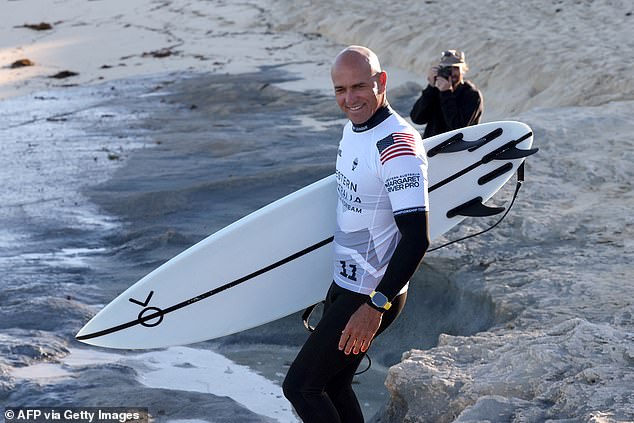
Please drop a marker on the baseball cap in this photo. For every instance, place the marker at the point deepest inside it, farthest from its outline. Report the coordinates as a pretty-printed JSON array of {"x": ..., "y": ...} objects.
[{"x": 452, "y": 58}]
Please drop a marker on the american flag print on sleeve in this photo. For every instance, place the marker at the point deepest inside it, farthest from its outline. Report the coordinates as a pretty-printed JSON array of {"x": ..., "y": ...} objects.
[{"x": 395, "y": 145}]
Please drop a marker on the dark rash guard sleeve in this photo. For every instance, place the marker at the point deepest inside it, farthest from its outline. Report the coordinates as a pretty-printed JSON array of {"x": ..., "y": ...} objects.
[{"x": 408, "y": 254}]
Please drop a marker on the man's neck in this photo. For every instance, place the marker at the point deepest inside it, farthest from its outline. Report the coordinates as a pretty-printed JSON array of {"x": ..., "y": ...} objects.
[{"x": 382, "y": 113}]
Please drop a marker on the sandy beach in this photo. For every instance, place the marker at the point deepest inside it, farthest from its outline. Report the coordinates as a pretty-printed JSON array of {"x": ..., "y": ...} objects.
[
  {"x": 118, "y": 132},
  {"x": 523, "y": 55}
]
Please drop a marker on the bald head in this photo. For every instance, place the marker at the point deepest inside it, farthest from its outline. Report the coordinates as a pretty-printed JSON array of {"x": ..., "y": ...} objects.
[
  {"x": 358, "y": 56},
  {"x": 359, "y": 83}
]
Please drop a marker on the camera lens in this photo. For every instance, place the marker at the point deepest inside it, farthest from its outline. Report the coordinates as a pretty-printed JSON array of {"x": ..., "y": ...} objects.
[{"x": 444, "y": 72}]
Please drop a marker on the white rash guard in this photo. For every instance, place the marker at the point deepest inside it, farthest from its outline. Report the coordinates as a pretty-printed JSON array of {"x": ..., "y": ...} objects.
[{"x": 381, "y": 172}]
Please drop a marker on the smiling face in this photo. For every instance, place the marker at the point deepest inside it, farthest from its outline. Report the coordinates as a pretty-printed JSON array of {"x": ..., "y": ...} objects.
[{"x": 359, "y": 84}]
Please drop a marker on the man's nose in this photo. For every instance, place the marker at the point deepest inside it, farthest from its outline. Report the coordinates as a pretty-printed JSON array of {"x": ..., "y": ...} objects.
[{"x": 350, "y": 97}]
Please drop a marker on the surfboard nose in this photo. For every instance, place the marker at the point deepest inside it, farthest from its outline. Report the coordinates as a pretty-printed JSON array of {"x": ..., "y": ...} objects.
[
  {"x": 83, "y": 336},
  {"x": 96, "y": 334},
  {"x": 88, "y": 334}
]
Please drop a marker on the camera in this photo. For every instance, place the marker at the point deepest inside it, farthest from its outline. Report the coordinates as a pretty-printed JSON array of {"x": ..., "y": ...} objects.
[{"x": 444, "y": 71}]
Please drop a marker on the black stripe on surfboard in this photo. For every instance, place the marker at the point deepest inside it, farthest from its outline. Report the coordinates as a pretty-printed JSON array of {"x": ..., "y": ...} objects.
[
  {"x": 495, "y": 154},
  {"x": 505, "y": 168},
  {"x": 159, "y": 314}
]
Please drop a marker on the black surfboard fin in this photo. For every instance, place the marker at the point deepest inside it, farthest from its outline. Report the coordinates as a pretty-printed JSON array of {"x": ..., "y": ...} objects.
[
  {"x": 456, "y": 143},
  {"x": 515, "y": 153},
  {"x": 509, "y": 152},
  {"x": 474, "y": 208},
  {"x": 440, "y": 148}
]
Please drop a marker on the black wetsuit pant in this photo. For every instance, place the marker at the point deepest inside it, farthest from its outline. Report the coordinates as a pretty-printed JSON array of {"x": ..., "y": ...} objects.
[{"x": 319, "y": 382}]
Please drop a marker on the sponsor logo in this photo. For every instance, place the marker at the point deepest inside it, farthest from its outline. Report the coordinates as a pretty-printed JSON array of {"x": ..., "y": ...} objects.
[
  {"x": 343, "y": 181},
  {"x": 346, "y": 189},
  {"x": 407, "y": 181},
  {"x": 347, "y": 200}
]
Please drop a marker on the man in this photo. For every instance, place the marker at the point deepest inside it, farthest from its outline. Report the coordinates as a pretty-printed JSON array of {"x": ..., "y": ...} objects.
[
  {"x": 449, "y": 101},
  {"x": 380, "y": 239}
]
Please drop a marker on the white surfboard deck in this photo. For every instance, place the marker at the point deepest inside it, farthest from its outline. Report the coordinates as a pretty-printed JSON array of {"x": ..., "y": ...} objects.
[{"x": 278, "y": 260}]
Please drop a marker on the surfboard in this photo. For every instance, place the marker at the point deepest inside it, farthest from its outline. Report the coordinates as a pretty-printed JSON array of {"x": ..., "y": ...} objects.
[{"x": 278, "y": 259}]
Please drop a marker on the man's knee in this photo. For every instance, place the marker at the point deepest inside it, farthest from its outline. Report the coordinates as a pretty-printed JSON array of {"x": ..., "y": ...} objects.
[
  {"x": 298, "y": 389},
  {"x": 291, "y": 388}
]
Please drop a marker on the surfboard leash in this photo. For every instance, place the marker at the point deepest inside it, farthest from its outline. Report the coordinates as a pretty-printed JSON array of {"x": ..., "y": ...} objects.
[{"x": 520, "y": 181}]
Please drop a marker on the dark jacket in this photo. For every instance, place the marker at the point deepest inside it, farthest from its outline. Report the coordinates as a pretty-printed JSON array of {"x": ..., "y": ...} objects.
[{"x": 445, "y": 111}]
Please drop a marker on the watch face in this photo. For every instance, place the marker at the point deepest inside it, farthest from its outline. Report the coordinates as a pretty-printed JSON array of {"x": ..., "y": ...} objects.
[{"x": 379, "y": 300}]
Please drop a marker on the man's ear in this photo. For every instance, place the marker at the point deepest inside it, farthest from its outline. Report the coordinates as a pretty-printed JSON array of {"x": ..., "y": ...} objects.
[{"x": 382, "y": 82}]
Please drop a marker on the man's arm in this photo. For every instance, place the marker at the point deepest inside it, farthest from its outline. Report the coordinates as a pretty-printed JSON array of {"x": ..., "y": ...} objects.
[
  {"x": 408, "y": 254},
  {"x": 411, "y": 248},
  {"x": 421, "y": 112}
]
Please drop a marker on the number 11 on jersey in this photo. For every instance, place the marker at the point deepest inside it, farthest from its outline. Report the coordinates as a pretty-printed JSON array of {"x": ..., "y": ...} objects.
[{"x": 352, "y": 268}]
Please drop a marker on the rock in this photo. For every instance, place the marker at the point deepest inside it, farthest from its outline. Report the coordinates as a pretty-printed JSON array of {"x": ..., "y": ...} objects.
[
  {"x": 165, "y": 52},
  {"x": 21, "y": 63},
  {"x": 574, "y": 369},
  {"x": 64, "y": 74},
  {"x": 42, "y": 26},
  {"x": 20, "y": 347}
]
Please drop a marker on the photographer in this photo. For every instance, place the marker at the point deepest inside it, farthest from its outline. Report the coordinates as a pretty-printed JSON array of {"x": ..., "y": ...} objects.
[{"x": 449, "y": 101}]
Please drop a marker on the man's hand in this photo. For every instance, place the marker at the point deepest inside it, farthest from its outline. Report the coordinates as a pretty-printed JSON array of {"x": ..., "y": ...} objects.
[
  {"x": 360, "y": 330},
  {"x": 431, "y": 75},
  {"x": 444, "y": 84}
]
